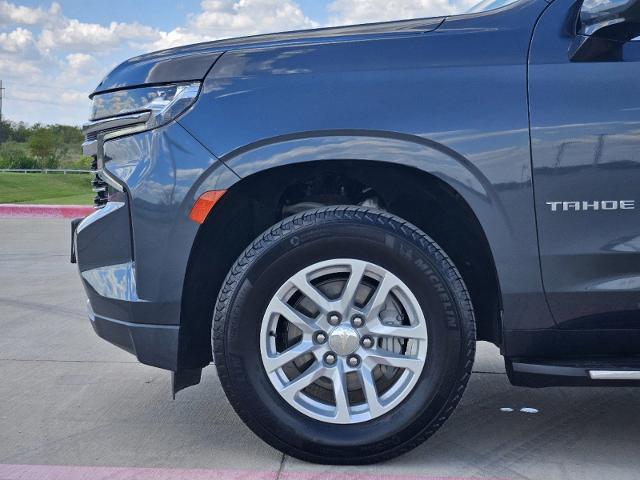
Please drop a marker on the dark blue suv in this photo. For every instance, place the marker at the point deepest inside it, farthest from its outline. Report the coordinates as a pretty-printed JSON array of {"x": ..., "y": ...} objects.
[{"x": 336, "y": 216}]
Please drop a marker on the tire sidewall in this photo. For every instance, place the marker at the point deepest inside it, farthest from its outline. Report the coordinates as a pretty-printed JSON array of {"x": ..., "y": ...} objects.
[{"x": 418, "y": 264}]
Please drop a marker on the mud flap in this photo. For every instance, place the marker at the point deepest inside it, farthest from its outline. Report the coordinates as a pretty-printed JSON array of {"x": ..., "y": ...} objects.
[
  {"x": 74, "y": 225},
  {"x": 185, "y": 378}
]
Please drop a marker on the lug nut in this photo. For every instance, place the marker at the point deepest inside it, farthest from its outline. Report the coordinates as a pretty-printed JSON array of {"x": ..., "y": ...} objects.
[
  {"x": 334, "y": 319},
  {"x": 357, "y": 321},
  {"x": 367, "y": 342},
  {"x": 330, "y": 358},
  {"x": 353, "y": 361},
  {"x": 320, "y": 337}
]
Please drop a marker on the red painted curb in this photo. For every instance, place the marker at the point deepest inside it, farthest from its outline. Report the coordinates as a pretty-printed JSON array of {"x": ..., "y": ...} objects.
[
  {"x": 53, "y": 472},
  {"x": 44, "y": 211}
]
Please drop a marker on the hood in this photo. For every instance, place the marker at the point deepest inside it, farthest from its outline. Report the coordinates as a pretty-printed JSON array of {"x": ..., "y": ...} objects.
[{"x": 192, "y": 62}]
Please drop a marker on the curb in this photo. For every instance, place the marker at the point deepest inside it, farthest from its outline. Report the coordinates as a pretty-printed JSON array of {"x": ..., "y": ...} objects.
[
  {"x": 62, "y": 472},
  {"x": 44, "y": 211}
]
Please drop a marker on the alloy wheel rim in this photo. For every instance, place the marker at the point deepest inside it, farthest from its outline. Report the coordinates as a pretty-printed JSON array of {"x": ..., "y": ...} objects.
[{"x": 343, "y": 341}]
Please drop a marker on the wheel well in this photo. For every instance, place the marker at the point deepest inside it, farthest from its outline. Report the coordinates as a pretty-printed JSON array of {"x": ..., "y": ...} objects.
[{"x": 263, "y": 199}]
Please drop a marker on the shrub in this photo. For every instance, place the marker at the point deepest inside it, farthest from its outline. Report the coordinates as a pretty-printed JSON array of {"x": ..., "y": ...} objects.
[
  {"x": 83, "y": 163},
  {"x": 43, "y": 143},
  {"x": 13, "y": 156},
  {"x": 50, "y": 162}
]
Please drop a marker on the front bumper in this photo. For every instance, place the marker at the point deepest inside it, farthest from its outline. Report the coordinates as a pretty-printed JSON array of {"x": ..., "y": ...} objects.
[
  {"x": 155, "y": 345},
  {"x": 151, "y": 344},
  {"x": 133, "y": 252},
  {"x": 101, "y": 245}
]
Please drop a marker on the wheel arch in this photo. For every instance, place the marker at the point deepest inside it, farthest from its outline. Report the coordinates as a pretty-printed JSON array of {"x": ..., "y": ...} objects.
[{"x": 421, "y": 173}]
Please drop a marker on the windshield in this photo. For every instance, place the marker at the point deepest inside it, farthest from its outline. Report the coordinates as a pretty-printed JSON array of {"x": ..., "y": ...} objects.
[{"x": 485, "y": 5}]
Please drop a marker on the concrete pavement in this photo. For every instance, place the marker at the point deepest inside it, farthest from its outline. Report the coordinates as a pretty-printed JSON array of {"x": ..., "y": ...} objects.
[{"x": 74, "y": 407}]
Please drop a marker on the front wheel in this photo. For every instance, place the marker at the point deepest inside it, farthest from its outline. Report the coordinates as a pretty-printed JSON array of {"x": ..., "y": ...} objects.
[{"x": 344, "y": 335}]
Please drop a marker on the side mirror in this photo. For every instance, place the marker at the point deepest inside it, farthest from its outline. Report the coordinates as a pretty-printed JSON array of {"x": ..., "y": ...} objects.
[{"x": 603, "y": 27}]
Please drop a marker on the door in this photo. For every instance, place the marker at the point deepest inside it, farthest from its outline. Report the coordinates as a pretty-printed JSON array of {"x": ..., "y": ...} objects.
[{"x": 585, "y": 137}]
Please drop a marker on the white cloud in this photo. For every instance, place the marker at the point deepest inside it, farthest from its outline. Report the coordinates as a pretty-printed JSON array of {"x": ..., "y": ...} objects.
[
  {"x": 348, "y": 12},
  {"x": 16, "y": 41},
  {"x": 80, "y": 61},
  {"x": 13, "y": 69},
  {"x": 223, "y": 18},
  {"x": 233, "y": 18},
  {"x": 78, "y": 69},
  {"x": 75, "y": 35},
  {"x": 21, "y": 15},
  {"x": 61, "y": 33}
]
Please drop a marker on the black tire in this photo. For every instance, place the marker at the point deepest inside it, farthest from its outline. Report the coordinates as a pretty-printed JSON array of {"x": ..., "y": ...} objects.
[{"x": 350, "y": 232}]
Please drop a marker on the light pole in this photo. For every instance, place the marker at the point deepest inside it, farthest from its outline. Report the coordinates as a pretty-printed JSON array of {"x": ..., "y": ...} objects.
[{"x": 1, "y": 95}]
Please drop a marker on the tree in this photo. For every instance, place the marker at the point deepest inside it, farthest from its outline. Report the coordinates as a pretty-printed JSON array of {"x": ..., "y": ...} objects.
[
  {"x": 5, "y": 131},
  {"x": 43, "y": 143},
  {"x": 68, "y": 134},
  {"x": 20, "y": 132},
  {"x": 39, "y": 146}
]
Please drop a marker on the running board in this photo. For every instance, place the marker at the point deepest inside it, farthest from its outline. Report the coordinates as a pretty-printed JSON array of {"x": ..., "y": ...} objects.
[
  {"x": 550, "y": 373},
  {"x": 614, "y": 375}
]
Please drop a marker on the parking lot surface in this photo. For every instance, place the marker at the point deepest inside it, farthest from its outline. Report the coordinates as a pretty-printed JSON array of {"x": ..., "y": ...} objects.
[{"x": 74, "y": 407}]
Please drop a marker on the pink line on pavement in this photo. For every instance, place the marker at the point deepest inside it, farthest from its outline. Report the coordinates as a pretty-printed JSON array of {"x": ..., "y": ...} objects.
[
  {"x": 55, "y": 472},
  {"x": 44, "y": 211},
  {"x": 324, "y": 475}
]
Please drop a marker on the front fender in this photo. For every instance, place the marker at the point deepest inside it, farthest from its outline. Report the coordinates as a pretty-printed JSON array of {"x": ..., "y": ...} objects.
[{"x": 499, "y": 207}]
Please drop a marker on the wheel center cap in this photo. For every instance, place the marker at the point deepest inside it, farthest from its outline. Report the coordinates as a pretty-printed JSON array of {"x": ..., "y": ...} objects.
[{"x": 344, "y": 340}]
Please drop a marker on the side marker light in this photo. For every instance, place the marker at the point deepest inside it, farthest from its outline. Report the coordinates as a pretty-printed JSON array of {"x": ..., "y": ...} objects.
[{"x": 204, "y": 204}]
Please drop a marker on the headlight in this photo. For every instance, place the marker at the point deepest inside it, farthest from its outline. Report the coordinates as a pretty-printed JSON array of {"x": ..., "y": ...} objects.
[{"x": 163, "y": 103}]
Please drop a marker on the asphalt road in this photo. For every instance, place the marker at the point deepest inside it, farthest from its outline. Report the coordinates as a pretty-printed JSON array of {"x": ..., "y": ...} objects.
[{"x": 74, "y": 407}]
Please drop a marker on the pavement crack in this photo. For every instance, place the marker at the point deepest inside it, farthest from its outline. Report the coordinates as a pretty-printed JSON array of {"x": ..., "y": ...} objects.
[
  {"x": 40, "y": 307},
  {"x": 281, "y": 467}
]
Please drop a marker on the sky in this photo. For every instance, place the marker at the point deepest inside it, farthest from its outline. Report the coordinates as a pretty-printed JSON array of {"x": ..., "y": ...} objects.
[{"x": 53, "y": 54}]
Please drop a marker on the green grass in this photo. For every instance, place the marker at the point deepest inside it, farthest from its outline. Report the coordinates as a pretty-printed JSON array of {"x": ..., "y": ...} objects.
[{"x": 51, "y": 188}]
